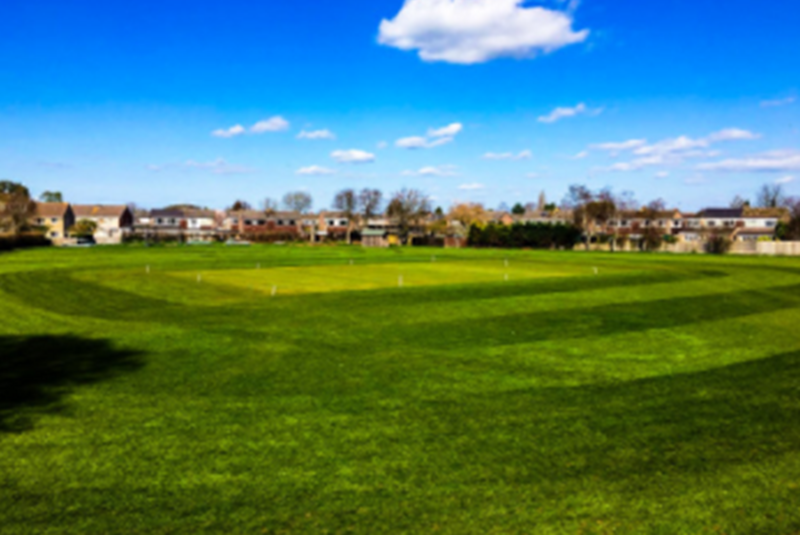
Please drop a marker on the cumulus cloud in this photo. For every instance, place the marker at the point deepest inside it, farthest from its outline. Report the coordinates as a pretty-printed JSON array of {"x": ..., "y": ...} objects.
[
  {"x": 471, "y": 187},
  {"x": 436, "y": 137},
  {"x": 768, "y": 162},
  {"x": 316, "y": 134},
  {"x": 233, "y": 131},
  {"x": 315, "y": 170},
  {"x": 274, "y": 124},
  {"x": 662, "y": 174},
  {"x": 352, "y": 156},
  {"x": 524, "y": 155},
  {"x": 476, "y": 31},
  {"x": 565, "y": 113},
  {"x": 778, "y": 102},
  {"x": 438, "y": 171},
  {"x": 581, "y": 155},
  {"x": 785, "y": 180}
]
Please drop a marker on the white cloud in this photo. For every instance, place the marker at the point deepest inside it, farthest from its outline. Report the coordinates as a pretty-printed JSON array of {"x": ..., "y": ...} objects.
[
  {"x": 662, "y": 174},
  {"x": 451, "y": 130},
  {"x": 732, "y": 134},
  {"x": 414, "y": 142},
  {"x": 524, "y": 155},
  {"x": 217, "y": 167},
  {"x": 315, "y": 170},
  {"x": 565, "y": 113},
  {"x": 768, "y": 162},
  {"x": 581, "y": 155},
  {"x": 352, "y": 156},
  {"x": 670, "y": 146},
  {"x": 442, "y": 170},
  {"x": 673, "y": 151},
  {"x": 785, "y": 180},
  {"x": 476, "y": 31},
  {"x": 316, "y": 134},
  {"x": 778, "y": 102},
  {"x": 471, "y": 187},
  {"x": 274, "y": 124},
  {"x": 233, "y": 131},
  {"x": 533, "y": 175},
  {"x": 436, "y": 137},
  {"x": 631, "y": 144}
]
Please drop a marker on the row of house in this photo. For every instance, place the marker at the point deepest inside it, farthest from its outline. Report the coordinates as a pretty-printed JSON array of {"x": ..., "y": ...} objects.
[
  {"x": 737, "y": 224},
  {"x": 114, "y": 222}
]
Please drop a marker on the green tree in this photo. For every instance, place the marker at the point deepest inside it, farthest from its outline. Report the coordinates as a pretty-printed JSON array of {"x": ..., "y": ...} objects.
[
  {"x": 518, "y": 209},
  {"x": 51, "y": 196},
  {"x": 84, "y": 228},
  {"x": 16, "y": 207}
]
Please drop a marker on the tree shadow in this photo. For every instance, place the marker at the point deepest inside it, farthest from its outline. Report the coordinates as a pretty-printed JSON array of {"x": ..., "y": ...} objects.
[{"x": 36, "y": 373}]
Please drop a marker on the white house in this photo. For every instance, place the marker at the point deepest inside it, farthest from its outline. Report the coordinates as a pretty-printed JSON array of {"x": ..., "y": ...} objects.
[{"x": 112, "y": 221}]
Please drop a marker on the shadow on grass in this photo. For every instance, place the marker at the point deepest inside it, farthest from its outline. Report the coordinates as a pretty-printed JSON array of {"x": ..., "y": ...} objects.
[{"x": 37, "y": 372}]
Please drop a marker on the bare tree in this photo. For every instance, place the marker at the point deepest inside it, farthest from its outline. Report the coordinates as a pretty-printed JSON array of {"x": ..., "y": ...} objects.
[
  {"x": 297, "y": 201},
  {"x": 409, "y": 206},
  {"x": 653, "y": 237},
  {"x": 739, "y": 202},
  {"x": 369, "y": 201},
  {"x": 346, "y": 201},
  {"x": 770, "y": 196},
  {"x": 269, "y": 205},
  {"x": 16, "y": 206}
]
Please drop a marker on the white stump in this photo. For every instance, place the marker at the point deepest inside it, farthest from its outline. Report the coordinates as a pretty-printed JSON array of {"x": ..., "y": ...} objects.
[
  {"x": 274, "y": 291},
  {"x": 400, "y": 281}
]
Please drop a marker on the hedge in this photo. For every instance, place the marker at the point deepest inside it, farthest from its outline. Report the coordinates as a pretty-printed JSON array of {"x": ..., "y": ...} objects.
[
  {"x": 527, "y": 235},
  {"x": 23, "y": 241}
]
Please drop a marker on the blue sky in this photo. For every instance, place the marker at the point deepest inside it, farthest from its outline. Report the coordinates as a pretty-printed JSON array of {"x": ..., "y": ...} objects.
[{"x": 493, "y": 101}]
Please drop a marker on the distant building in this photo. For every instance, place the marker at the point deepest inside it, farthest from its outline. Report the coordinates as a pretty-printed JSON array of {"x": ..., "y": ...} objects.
[
  {"x": 57, "y": 218},
  {"x": 112, "y": 221}
]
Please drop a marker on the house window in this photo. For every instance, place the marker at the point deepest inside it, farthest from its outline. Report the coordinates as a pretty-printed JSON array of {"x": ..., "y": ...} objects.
[
  {"x": 40, "y": 221},
  {"x": 770, "y": 224},
  {"x": 291, "y": 222},
  {"x": 160, "y": 221},
  {"x": 280, "y": 222},
  {"x": 172, "y": 221},
  {"x": 54, "y": 234},
  {"x": 712, "y": 223},
  {"x": 235, "y": 221},
  {"x": 624, "y": 223},
  {"x": 54, "y": 220},
  {"x": 343, "y": 222},
  {"x": 262, "y": 222},
  {"x": 331, "y": 223}
]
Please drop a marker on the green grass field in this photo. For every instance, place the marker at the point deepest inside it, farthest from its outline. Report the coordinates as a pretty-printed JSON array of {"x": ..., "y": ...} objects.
[{"x": 586, "y": 394}]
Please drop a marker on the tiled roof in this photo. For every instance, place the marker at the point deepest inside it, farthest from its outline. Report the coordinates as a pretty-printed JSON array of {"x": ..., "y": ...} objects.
[
  {"x": 766, "y": 212},
  {"x": 51, "y": 209},
  {"x": 98, "y": 210}
]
